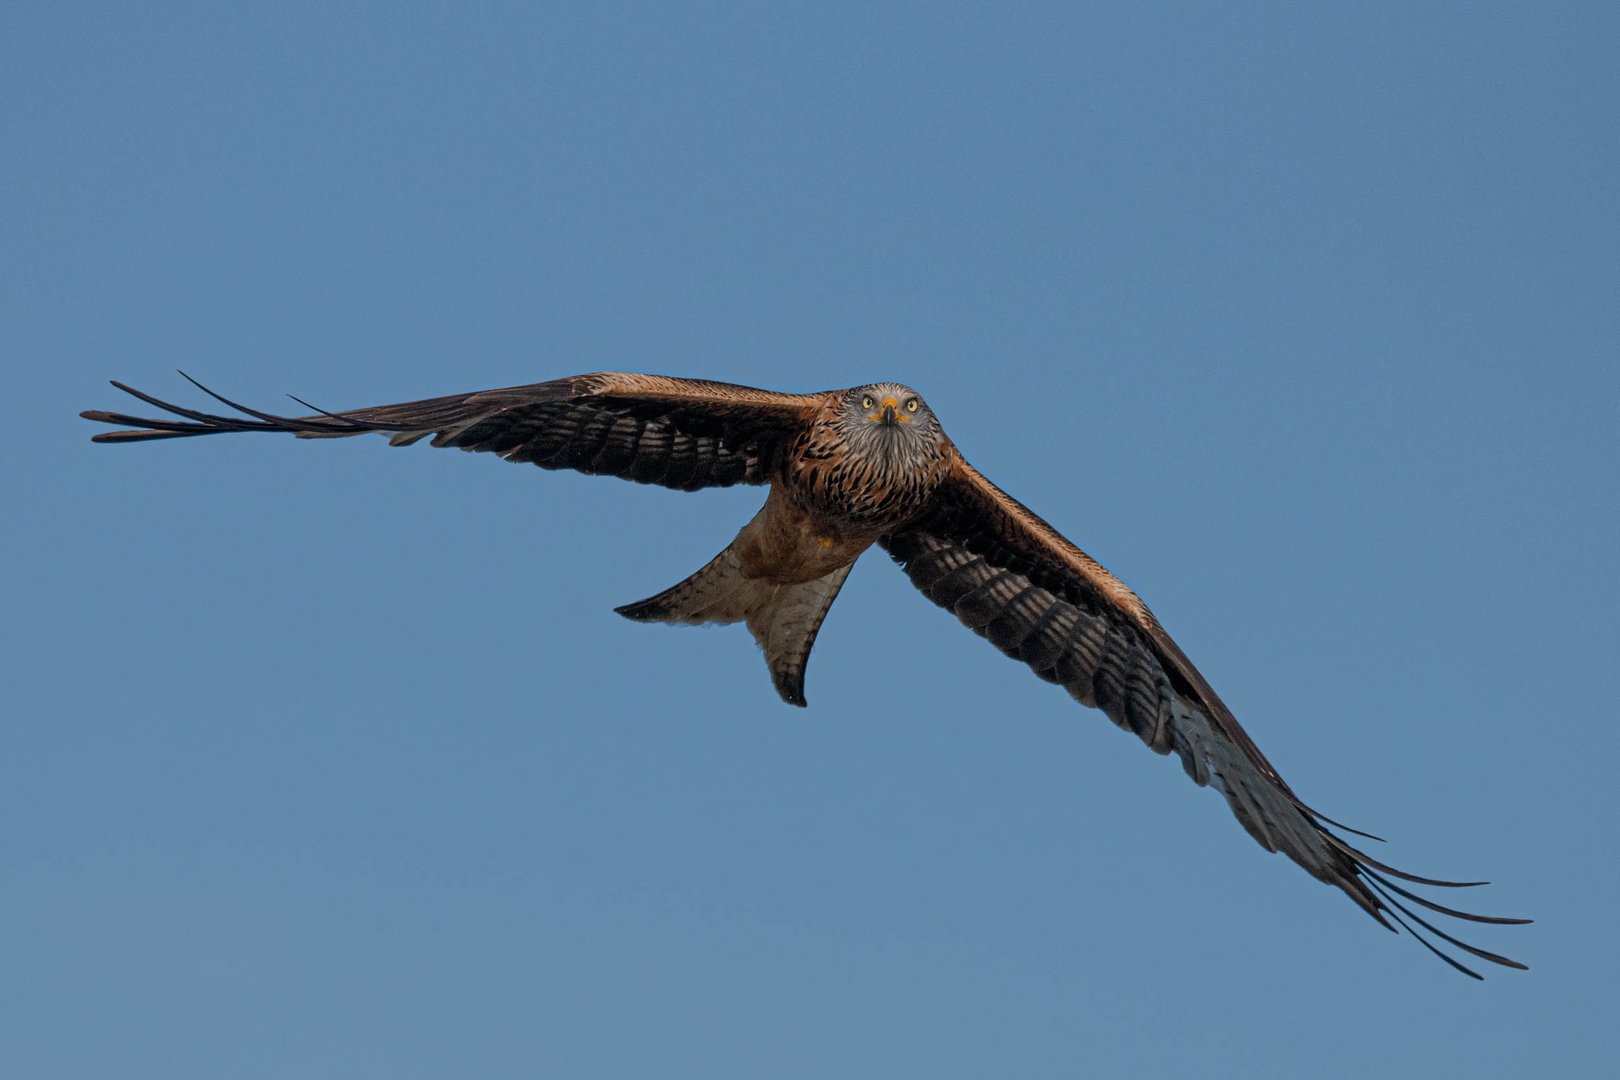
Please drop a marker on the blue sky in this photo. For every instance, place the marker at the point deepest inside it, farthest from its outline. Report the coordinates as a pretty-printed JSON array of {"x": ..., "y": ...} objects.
[{"x": 332, "y": 760}]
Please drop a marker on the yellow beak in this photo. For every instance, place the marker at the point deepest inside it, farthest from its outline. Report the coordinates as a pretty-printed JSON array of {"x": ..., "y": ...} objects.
[{"x": 891, "y": 413}]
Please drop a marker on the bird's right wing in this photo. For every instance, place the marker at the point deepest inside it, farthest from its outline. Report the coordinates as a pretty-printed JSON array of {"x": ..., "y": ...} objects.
[{"x": 653, "y": 429}]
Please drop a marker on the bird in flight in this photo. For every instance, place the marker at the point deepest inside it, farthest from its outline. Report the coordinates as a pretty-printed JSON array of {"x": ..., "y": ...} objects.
[{"x": 844, "y": 470}]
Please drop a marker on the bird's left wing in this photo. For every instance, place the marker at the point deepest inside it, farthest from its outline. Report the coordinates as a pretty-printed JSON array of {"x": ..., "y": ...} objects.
[
  {"x": 1013, "y": 579},
  {"x": 653, "y": 429}
]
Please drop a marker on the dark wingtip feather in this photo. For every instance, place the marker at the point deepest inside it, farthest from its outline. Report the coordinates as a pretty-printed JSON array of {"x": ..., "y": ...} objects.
[
  {"x": 304, "y": 424},
  {"x": 1363, "y": 857},
  {"x": 228, "y": 403},
  {"x": 145, "y": 430},
  {"x": 1498, "y": 920},
  {"x": 1421, "y": 940},
  {"x": 351, "y": 421},
  {"x": 1337, "y": 824},
  {"x": 139, "y": 436},
  {"x": 194, "y": 422},
  {"x": 1369, "y": 884},
  {"x": 1483, "y": 954}
]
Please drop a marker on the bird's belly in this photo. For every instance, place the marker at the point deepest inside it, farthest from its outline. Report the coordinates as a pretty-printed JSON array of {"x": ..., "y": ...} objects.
[{"x": 787, "y": 544}]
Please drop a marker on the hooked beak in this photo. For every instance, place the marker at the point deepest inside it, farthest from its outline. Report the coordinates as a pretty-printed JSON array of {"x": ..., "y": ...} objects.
[{"x": 890, "y": 416}]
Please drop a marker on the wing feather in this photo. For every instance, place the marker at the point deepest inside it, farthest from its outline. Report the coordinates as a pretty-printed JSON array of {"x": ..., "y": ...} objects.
[
  {"x": 1015, "y": 580},
  {"x": 652, "y": 429}
]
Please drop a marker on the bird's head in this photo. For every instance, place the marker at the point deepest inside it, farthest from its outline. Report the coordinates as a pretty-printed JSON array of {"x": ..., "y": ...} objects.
[
  {"x": 888, "y": 404},
  {"x": 890, "y": 421}
]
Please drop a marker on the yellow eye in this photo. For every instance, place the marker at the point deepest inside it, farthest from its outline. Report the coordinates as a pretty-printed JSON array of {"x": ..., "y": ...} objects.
[
  {"x": 866, "y": 403},
  {"x": 911, "y": 406}
]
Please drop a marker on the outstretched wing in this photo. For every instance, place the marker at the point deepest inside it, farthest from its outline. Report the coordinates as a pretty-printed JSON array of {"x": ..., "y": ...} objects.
[
  {"x": 653, "y": 429},
  {"x": 1013, "y": 579}
]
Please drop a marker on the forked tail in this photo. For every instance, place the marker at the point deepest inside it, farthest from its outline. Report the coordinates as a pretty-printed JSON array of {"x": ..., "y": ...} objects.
[{"x": 784, "y": 619}]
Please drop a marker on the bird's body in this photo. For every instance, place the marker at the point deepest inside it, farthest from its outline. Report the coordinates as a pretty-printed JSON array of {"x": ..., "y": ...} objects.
[
  {"x": 787, "y": 543},
  {"x": 833, "y": 495},
  {"x": 851, "y": 475},
  {"x": 846, "y": 470}
]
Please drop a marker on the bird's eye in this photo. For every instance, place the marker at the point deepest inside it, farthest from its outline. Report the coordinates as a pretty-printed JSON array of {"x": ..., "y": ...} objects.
[
  {"x": 866, "y": 403},
  {"x": 911, "y": 405}
]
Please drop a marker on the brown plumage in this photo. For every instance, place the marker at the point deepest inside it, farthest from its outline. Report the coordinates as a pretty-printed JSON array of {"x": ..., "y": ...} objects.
[{"x": 847, "y": 469}]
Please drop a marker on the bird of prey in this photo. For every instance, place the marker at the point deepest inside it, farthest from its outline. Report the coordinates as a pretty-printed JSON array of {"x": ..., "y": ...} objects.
[{"x": 844, "y": 470}]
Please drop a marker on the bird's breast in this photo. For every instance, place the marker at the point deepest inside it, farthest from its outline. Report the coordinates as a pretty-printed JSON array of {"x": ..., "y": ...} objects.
[{"x": 847, "y": 492}]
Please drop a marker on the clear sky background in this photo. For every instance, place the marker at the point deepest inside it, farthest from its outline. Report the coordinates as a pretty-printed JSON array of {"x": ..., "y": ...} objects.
[{"x": 332, "y": 760}]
